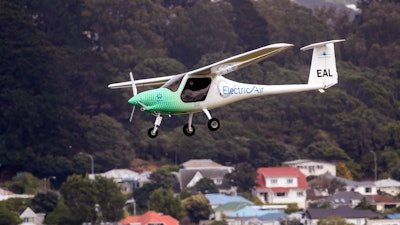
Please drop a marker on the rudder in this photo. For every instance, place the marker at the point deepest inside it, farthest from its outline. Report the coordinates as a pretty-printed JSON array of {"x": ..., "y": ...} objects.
[{"x": 323, "y": 70}]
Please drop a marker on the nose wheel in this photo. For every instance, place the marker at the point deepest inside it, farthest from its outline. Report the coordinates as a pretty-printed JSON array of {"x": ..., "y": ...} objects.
[
  {"x": 152, "y": 133},
  {"x": 188, "y": 131}
]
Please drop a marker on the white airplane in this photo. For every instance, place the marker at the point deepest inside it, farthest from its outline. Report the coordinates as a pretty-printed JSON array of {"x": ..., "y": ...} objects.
[{"x": 206, "y": 88}]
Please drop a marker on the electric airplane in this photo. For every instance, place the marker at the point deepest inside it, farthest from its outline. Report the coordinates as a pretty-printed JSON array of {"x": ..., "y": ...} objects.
[{"x": 206, "y": 88}]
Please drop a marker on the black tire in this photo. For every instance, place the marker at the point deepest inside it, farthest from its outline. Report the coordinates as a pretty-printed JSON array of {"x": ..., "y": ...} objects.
[
  {"x": 150, "y": 133},
  {"x": 213, "y": 124},
  {"x": 186, "y": 130}
]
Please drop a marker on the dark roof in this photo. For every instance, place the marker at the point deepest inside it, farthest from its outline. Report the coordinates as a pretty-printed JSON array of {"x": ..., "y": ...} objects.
[
  {"x": 344, "y": 197},
  {"x": 342, "y": 211}
]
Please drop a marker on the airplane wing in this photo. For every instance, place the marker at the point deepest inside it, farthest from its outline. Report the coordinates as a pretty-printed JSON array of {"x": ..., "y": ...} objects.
[
  {"x": 242, "y": 60},
  {"x": 157, "y": 81},
  {"x": 219, "y": 68}
]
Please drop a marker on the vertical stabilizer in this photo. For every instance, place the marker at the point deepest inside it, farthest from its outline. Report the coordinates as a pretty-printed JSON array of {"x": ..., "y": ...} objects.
[{"x": 323, "y": 64}]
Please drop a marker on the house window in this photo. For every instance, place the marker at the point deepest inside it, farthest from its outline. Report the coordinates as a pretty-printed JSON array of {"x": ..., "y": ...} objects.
[
  {"x": 300, "y": 194},
  {"x": 320, "y": 167},
  {"x": 274, "y": 181},
  {"x": 218, "y": 181},
  {"x": 290, "y": 181},
  {"x": 368, "y": 190},
  {"x": 280, "y": 194}
]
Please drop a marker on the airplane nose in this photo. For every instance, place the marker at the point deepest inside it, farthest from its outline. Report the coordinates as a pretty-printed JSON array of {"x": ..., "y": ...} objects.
[{"x": 134, "y": 100}]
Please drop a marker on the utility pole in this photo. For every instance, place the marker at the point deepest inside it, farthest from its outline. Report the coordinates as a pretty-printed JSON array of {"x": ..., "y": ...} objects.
[
  {"x": 91, "y": 177},
  {"x": 376, "y": 167}
]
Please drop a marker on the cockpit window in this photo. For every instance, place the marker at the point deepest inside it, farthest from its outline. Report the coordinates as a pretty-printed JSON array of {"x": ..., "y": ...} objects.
[
  {"x": 196, "y": 89},
  {"x": 174, "y": 83}
]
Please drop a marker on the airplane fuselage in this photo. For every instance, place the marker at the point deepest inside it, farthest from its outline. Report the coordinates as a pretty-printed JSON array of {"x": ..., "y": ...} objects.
[{"x": 194, "y": 94}]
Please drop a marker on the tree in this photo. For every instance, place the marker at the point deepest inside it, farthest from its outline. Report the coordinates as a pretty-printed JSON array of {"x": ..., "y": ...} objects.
[
  {"x": 244, "y": 176},
  {"x": 343, "y": 171},
  {"x": 163, "y": 200},
  {"x": 163, "y": 178},
  {"x": 197, "y": 208},
  {"x": 24, "y": 183},
  {"x": 44, "y": 202},
  {"x": 333, "y": 220},
  {"x": 86, "y": 199},
  {"x": 8, "y": 217},
  {"x": 366, "y": 204},
  {"x": 206, "y": 186},
  {"x": 323, "y": 183}
]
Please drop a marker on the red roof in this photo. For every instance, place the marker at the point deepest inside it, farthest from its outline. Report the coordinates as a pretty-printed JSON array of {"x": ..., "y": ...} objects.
[
  {"x": 383, "y": 199},
  {"x": 150, "y": 217},
  {"x": 276, "y": 172}
]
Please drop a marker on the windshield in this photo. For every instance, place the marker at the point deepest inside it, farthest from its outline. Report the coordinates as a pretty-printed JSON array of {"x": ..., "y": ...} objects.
[{"x": 173, "y": 84}]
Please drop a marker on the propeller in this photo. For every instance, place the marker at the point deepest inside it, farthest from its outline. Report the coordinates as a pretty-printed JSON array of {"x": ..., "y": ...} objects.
[{"x": 134, "y": 90}]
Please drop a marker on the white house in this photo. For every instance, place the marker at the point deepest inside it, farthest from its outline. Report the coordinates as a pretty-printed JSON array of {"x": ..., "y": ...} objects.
[
  {"x": 281, "y": 185},
  {"x": 28, "y": 216},
  {"x": 362, "y": 187},
  {"x": 312, "y": 167},
  {"x": 127, "y": 179},
  {"x": 388, "y": 186}
]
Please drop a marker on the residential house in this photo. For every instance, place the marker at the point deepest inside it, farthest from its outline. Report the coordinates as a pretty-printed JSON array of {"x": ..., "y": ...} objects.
[
  {"x": 383, "y": 222},
  {"x": 384, "y": 202},
  {"x": 223, "y": 204},
  {"x": 362, "y": 187},
  {"x": 149, "y": 218},
  {"x": 311, "y": 167},
  {"x": 250, "y": 215},
  {"x": 354, "y": 216},
  {"x": 6, "y": 194},
  {"x": 28, "y": 216},
  {"x": 197, "y": 169},
  {"x": 343, "y": 198},
  {"x": 393, "y": 216},
  {"x": 281, "y": 185},
  {"x": 217, "y": 200},
  {"x": 127, "y": 179},
  {"x": 273, "y": 218},
  {"x": 389, "y": 186},
  {"x": 221, "y": 211}
]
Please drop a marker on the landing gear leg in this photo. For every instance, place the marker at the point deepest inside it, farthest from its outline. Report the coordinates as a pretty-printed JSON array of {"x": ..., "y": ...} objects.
[
  {"x": 188, "y": 129},
  {"x": 153, "y": 132},
  {"x": 213, "y": 123}
]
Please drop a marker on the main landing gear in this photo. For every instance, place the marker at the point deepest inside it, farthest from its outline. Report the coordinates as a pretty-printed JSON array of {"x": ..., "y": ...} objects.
[
  {"x": 188, "y": 129},
  {"x": 213, "y": 124}
]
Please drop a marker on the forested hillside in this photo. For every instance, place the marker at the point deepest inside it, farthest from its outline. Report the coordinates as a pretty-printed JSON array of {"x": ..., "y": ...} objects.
[{"x": 57, "y": 58}]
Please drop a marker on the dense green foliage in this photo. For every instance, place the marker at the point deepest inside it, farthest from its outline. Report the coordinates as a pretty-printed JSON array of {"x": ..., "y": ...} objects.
[
  {"x": 59, "y": 56},
  {"x": 85, "y": 200}
]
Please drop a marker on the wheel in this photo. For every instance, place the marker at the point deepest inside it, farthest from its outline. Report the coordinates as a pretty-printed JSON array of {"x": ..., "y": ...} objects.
[
  {"x": 186, "y": 130},
  {"x": 213, "y": 124},
  {"x": 151, "y": 133}
]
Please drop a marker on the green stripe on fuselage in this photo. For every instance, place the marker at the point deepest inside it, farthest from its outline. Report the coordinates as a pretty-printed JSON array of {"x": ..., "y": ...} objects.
[{"x": 162, "y": 100}]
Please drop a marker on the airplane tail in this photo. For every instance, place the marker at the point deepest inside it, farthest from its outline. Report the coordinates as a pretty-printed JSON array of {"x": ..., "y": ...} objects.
[{"x": 323, "y": 64}]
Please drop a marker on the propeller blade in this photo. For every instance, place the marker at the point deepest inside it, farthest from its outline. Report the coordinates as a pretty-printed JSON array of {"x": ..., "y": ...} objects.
[
  {"x": 134, "y": 89},
  {"x": 133, "y": 111}
]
